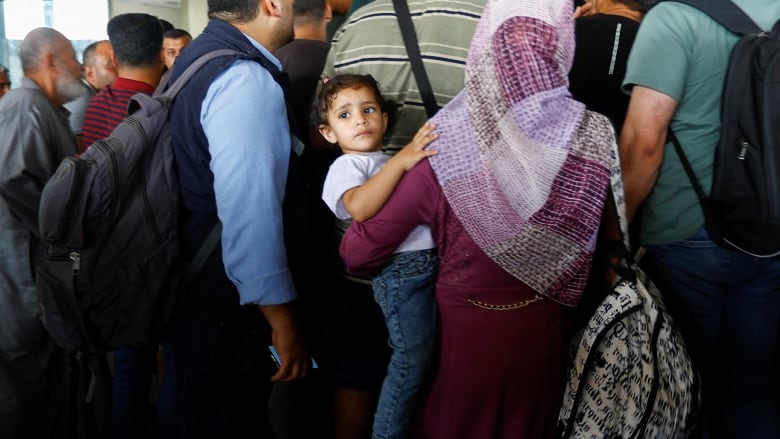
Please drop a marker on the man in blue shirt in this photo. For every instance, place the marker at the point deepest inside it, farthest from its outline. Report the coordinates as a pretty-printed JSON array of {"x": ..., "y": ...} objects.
[{"x": 233, "y": 145}]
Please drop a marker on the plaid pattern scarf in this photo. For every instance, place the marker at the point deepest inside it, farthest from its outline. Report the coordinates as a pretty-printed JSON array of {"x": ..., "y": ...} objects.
[{"x": 523, "y": 165}]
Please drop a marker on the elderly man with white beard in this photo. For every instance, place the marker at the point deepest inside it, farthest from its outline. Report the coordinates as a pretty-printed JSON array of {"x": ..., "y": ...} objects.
[{"x": 35, "y": 138}]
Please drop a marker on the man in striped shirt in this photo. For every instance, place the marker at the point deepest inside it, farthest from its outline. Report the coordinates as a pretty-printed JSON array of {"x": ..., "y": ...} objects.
[
  {"x": 371, "y": 43},
  {"x": 137, "y": 43}
]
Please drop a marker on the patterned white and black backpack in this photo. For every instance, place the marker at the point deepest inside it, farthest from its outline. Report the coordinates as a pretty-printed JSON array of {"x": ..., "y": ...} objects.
[{"x": 630, "y": 375}]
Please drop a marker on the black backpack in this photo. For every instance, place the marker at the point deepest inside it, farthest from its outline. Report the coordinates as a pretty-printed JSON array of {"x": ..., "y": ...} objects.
[
  {"x": 110, "y": 217},
  {"x": 743, "y": 210}
]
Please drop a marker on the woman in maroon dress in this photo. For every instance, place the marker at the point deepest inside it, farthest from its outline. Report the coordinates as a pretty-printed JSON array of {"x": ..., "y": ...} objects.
[{"x": 514, "y": 200}]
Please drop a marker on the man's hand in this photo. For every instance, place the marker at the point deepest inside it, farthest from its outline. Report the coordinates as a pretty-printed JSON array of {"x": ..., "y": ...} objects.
[{"x": 288, "y": 341}]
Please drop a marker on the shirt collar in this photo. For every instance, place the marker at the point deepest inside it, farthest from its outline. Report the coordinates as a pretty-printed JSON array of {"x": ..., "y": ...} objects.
[
  {"x": 131, "y": 84},
  {"x": 29, "y": 83},
  {"x": 264, "y": 51}
]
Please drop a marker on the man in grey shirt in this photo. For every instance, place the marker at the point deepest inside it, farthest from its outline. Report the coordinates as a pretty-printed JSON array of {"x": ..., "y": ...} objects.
[
  {"x": 35, "y": 138},
  {"x": 100, "y": 70}
]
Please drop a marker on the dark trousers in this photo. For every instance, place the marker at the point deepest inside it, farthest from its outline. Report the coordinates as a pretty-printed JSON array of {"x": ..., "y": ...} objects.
[
  {"x": 727, "y": 306},
  {"x": 133, "y": 371},
  {"x": 218, "y": 383}
]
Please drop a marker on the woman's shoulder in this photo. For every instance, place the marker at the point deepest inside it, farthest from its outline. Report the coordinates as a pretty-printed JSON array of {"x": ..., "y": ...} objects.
[{"x": 422, "y": 172}]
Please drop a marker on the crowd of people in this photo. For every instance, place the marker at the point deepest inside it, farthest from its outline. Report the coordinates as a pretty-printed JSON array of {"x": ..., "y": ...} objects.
[{"x": 433, "y": 289}]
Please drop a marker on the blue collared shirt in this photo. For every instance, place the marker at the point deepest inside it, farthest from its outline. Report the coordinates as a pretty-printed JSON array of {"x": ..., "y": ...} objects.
[{"x": 244, "y": 117}]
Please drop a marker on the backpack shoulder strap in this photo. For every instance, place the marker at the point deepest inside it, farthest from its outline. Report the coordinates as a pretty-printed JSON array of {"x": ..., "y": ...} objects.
[
  {"x": 727, "y": 13},
  {"x": 182, "y": 80},
  {"x": 199, "y": 260},
  {"x": 415, "y": 57}
]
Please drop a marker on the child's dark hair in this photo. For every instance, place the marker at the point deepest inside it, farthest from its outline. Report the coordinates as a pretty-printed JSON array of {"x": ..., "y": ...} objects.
[{"x": 340, "y": 82}]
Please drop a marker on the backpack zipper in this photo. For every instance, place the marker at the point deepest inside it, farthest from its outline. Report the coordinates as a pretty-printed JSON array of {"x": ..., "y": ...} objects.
[
  {"x": 78, "y": 166},
  {"x": 142, "y": 187},
  {"x": 655, "y": 384},
  {"x": 74, "y": 257},
  {"x": 76, "y": 266},
  {"x": 588, "y": 365},
  {"x": 745, "y": 146},
  {"x": 769, "y": 156},
  {"x": 106, "y": 150},
  {"x": 114, "y": 183}
]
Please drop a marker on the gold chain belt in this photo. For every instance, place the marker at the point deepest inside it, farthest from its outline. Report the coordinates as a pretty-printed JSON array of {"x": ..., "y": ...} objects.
[{"x": 507, "y": 307}]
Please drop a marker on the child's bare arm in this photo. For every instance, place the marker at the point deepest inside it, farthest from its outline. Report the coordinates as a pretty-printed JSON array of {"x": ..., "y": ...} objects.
[{"x": 364, "y": 201}]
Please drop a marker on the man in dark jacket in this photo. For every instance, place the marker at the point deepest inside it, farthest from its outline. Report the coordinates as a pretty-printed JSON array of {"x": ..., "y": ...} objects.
[
  {"x": 36, "y": 137},
  {"x": 233, "y": 148}
]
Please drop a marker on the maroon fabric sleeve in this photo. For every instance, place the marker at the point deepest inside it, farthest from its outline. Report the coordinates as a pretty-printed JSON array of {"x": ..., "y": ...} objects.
[{"x": 367, "y": 245}]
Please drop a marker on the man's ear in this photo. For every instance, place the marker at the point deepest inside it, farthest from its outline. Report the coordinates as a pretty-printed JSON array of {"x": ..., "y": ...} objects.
[
  {"x": 51, "y": 62},
  {"x": 328, "y": 134},
  {"x": 89, "y": 74},
  {"x": 327, "y": 15},
  {"x": 271, "y": 8}
]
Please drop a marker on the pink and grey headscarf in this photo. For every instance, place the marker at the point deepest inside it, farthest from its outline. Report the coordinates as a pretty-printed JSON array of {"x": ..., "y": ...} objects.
[{"x": 523, "y": 165}]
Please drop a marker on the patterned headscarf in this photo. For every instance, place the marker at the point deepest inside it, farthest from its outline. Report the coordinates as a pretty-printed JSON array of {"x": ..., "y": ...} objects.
[{"x": 523, "y": 165}]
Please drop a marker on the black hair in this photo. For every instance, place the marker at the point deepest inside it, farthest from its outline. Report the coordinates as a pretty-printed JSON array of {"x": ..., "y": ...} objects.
[
  {"x": 234, "y": 11},
  {"x": 166, "y": 25},
  {"x": 177, "y": 33},
  {"x": 136, "y": 39},
  {"x": 308, "y": 11},
  {"x": 334, "y": 85}
]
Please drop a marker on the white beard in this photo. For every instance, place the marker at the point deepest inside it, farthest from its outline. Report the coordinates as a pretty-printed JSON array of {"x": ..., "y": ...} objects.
[{"x": 68, "y": 87}]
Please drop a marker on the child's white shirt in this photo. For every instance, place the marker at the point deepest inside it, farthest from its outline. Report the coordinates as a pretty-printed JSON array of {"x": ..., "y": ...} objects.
[{"x": 354, "y": 169}]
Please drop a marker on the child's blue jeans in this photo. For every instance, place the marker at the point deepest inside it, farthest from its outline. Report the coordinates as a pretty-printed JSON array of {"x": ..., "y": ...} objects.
[{"x": 404, "y": 291}]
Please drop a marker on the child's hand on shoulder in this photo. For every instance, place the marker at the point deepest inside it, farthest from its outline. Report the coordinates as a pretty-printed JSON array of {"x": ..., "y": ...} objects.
[
  {"x": 415, "y": 151},
  {"x": 584, "y": 10}
]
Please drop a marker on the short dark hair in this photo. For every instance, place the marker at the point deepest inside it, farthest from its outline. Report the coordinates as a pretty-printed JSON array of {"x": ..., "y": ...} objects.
[
  {"x": 166, "y": 25},
  {"x": 177, "y": 33},
  {"x": 334, "y": 85},
  {"x": 136, "y": 39},
  {"x": 308, "y": 11},
  {"x": 234, "y": 11},
  {"x": 88, "y": 55}
]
